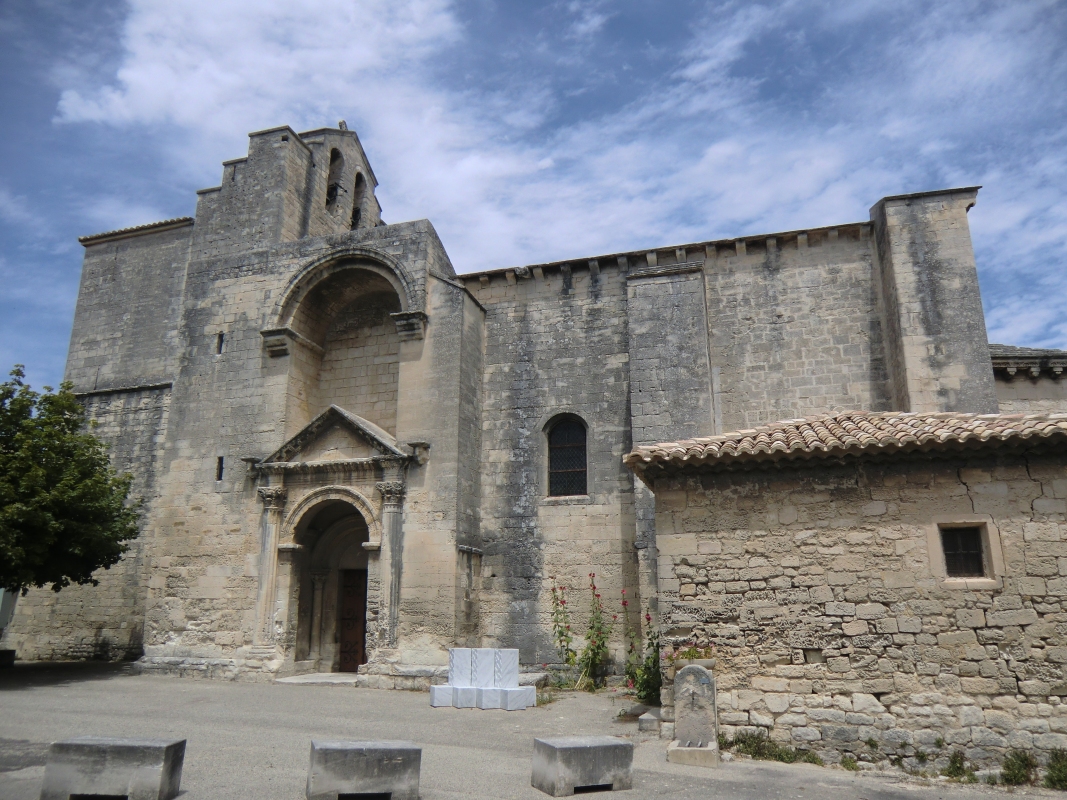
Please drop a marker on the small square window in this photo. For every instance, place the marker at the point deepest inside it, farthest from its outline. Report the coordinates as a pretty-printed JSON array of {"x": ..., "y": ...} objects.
[{"x": 963, "y": 552}]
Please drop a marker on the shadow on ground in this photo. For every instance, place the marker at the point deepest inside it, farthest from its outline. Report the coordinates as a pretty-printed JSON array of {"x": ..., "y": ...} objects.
[
  {"x": 19, "y": 754},
  {"x": 38, "y": 674}
]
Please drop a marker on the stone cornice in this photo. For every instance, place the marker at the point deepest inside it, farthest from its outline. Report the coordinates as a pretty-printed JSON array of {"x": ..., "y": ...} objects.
[
  {"x": 136, "y": 230},
  {"x": 365, "y": 467},
  {"x": 1009, "y": 361},
  {"x": 141, "y": 387},
  {"x": 276, "y": 340}
]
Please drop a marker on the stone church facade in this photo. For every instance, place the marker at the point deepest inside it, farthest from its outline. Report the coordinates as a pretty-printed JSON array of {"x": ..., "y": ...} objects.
[{"x": 354, "y": 457}]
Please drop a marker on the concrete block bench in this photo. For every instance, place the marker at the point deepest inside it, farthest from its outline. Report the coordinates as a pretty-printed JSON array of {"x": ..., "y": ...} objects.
[
  {"x": 566, "y": 763},
  {"x": 138, "y": 769},
  {"x": 371, "y": 768}
]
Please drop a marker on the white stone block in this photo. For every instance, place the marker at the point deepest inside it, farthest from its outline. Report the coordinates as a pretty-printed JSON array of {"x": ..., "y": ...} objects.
[
  {"x": 459, "y": 666},
  {"x": 506, "y": 669},
  {"x": 490, "y": 698},
  {"x": 518, "y": 698},
  {"x": 440, "y": 696},
  {"x": 464, "y": 697},
  {"x": 482, "y": 666}
]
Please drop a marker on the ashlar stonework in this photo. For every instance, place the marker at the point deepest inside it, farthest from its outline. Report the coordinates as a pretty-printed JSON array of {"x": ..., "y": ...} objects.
[{"x": 343, "y": 443}]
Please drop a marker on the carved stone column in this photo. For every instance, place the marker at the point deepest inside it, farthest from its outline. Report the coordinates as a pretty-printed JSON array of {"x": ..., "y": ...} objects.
[
  {"x": 273, "y": 498},
  {"x": 391, "y": 556},
  {"x": 318, "y": 581}
]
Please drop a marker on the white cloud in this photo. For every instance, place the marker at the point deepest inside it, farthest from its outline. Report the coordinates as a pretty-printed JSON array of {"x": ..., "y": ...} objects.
[
  {"x": 717, "y": 144},
  {"x": 15, "y": 211},
  {"x": 108, "y": 212}
]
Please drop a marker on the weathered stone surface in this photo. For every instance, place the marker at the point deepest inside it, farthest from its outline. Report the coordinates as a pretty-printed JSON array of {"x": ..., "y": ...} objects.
[
  {"x": 407, "y": 411},
  {"x": 955, "y": 649},
  {"x": 695, "y": 710},
  {"x": 140, "y": 769},
  {"x": 347, "y": 768},
  {"x": 562, "y": 764}
]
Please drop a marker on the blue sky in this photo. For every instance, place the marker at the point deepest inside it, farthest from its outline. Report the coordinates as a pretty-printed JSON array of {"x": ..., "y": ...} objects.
[{"x": 530, "y": 131}]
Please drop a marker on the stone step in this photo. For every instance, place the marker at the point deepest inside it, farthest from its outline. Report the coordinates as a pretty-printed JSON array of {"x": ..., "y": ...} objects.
[{"x": 321, "y": 679}]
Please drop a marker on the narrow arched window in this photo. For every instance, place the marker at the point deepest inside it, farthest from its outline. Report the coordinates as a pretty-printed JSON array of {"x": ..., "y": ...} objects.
[
  {"x": 357, "y": 200},
  {"x": 566, "y": 458},
  {"x": 333, "y": 178}
]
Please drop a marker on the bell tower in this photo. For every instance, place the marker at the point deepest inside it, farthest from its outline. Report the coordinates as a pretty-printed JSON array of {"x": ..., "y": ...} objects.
[{"x": 290, "y": 186}]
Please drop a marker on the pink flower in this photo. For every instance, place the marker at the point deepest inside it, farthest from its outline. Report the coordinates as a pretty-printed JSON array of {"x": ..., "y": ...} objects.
[{"x": 625, "y": 603}]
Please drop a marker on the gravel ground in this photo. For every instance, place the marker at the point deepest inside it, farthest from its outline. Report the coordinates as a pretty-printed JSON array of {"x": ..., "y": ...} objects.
[{"x": 251, "y": 741}]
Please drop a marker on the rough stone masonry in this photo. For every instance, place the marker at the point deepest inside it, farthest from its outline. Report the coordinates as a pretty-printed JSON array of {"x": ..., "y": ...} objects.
[{"x": 354, "y": 457}]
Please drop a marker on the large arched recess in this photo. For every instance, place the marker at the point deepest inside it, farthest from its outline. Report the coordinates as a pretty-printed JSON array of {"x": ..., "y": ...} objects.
[
  {"x": 350, "y": 258},
  {"x": 349, "y": 347}
]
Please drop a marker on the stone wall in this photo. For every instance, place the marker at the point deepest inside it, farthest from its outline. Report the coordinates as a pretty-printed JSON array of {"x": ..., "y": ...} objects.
[
  {"x": 821, "y": 589},
  {"x": 129, "y": 306},
  {"x": 1023, "y": 394},
  {"x": 795, "y": 328},
  {"x": 677, "y": 341},
  {"x": 361, "y": 366},
  {"x": 555, "y": 343}
]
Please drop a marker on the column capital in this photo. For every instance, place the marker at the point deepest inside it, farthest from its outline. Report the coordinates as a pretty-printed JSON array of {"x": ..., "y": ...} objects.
[
  {"x": 318, "y": 577},
  {"x": 392, "y": 492},
  {"x": 273, "y": 497}
]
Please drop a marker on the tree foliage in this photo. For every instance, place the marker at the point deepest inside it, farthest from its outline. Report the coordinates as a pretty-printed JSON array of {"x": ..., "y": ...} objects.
[{"x": 63, "y": 510}]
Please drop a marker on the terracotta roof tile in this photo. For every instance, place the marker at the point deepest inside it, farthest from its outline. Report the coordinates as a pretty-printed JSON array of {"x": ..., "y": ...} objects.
[{"x": 851, "y": 433}]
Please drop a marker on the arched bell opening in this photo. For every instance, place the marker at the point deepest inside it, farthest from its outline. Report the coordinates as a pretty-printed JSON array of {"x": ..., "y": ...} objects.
[{"x": 338, "y": 595}]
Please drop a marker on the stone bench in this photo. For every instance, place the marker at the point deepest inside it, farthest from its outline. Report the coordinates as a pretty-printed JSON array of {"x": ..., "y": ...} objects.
[
  {"x": 564, "y": 764},
  {"x": 340, "y": 769},
  {"x": 137, "y": 769}
]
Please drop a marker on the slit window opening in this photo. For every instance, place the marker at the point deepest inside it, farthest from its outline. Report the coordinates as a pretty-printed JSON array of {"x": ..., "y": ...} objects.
[
  {"x": 357, "y": 200},
  {"x": 963, "y": 552},
  {"x": 566, "y": 459},
  {"x": 220, "y": 340},
  {"x": 220, "y": 468},
  {"x": 333, "y": 177}
]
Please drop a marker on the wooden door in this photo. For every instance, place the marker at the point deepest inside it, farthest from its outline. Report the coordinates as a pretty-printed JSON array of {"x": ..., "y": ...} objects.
[{"x": 353, "y": 619}]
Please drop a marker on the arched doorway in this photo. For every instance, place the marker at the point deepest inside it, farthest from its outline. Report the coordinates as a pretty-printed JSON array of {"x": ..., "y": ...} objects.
[{"x": 334, "y": 587}]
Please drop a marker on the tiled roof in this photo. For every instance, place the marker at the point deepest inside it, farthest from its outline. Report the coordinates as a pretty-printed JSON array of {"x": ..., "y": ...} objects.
[
  {"x": 848, "y": 434},
  {"x": 136, "y": 230}
]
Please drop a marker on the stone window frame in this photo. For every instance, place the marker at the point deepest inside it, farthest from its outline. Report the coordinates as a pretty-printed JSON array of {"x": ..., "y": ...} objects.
[
  {"x": 547, "y": 422},
  {"x": 992, "y": 552}
]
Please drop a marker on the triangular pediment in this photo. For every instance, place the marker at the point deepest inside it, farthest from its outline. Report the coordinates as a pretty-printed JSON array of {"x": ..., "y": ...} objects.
[{"x": 337, "y": 435}]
